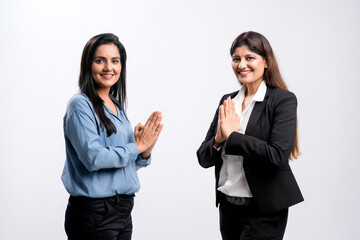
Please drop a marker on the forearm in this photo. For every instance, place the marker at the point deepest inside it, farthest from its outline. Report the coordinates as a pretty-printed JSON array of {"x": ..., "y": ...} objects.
[
  {"x": 207, "y": 154},
  {"x": 269, "y": 146},
  {"x": 259, "y": 151},
  {"x": 109, "y": 157}
]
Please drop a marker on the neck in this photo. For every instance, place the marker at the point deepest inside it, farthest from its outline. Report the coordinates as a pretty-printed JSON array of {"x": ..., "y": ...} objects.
[
  {"x": 103, "y": 93},
  {"x": 251, "y": 88}
]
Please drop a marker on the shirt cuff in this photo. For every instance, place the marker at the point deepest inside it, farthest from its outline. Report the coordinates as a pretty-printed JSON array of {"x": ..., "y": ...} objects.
[
  {"x": 217, "y": 148},
  {"x": 140, "y": 162},
  {"x": 144, "y": 159},
  {"x": 134, "y": 151}
]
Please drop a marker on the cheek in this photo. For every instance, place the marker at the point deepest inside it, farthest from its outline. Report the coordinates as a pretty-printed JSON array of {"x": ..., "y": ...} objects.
[
  {"x": 118, "y": 69},
  {"x": 258, "y": 67},
  {"x": 93, "y": 73},
  {"x": 94, "y": 69},
  {"x": 234, "y": 66}
]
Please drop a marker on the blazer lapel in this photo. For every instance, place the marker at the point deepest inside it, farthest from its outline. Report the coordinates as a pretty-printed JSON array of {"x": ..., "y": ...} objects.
[{"x": 256, "y": 112}]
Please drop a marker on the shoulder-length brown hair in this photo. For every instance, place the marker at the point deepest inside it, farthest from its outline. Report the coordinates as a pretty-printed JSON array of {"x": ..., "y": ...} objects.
[{"x": 257, "y": 43}]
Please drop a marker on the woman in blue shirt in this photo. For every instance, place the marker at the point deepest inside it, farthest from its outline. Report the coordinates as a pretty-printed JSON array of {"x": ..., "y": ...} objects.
[{"x": 103, "y": 153}]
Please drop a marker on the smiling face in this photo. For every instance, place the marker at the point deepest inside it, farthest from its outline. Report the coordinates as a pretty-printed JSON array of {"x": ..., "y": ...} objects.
[
  {"x": 248, "y": 66},
  {"x": 106, "y": 66}
]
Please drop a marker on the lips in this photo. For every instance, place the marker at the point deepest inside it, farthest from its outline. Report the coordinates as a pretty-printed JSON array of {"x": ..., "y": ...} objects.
[
  {"x": 106, "y": 76},
  {"x": 244, "y": 73}
]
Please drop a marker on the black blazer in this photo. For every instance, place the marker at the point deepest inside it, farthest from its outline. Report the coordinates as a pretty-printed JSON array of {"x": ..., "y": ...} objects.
[{"x": 265, "y": 146}]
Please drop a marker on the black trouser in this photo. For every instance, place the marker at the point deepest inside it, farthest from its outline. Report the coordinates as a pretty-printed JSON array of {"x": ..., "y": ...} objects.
[
  {"x": 99, "y": 218},
  {"x": 249, "y": 222}
]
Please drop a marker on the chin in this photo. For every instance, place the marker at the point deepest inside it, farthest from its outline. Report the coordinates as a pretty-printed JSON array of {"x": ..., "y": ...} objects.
[{"x": 242, "y": 81}]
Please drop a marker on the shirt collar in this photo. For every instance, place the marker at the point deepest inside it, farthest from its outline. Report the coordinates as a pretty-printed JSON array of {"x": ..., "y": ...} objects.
[
  {"x": 260, "y": 93},
  {"x": 258, "y": 97}
]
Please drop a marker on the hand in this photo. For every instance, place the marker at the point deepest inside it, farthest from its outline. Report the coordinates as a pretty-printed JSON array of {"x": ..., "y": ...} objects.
[
  {"x": 147, "y": 135},
  {"x": 146, "y": 153},
  {"x": 229, "y": 121},
  {"x": 219, "y": 138}
]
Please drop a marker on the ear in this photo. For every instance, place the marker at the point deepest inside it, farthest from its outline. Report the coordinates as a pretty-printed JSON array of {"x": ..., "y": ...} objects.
[{"x": 266, "y": 64}]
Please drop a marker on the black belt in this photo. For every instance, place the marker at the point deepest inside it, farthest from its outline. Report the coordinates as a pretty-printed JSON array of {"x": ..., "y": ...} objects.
[
  {"x": 115, "y": 197},
  {"x": 240, "y": 201}
]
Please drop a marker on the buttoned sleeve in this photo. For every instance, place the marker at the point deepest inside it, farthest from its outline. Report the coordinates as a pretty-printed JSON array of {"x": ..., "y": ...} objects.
[
  {"x": 140, "y": 162},
  {"x": 81, "y": 130}
]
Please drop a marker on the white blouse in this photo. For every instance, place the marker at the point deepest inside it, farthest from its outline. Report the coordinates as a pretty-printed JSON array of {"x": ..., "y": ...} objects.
[{"x": 232, "y": 179}]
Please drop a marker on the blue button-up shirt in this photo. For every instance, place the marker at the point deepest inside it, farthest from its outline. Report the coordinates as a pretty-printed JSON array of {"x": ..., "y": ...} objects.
[{"x": 96, "y": 165}]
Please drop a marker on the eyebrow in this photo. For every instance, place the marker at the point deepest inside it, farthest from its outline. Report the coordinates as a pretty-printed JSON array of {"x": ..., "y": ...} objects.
[
  {"x": 101, "y": 57},
  {"x": 247, "y": 55}
]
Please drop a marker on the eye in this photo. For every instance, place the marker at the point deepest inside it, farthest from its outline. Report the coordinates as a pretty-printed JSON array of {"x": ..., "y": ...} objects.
[
  {"x": 250, "y": 58},
  {"x": 99, "y": 61},
  {"x": 235, "y": 60},
  {"x": 116, "y": 61}
]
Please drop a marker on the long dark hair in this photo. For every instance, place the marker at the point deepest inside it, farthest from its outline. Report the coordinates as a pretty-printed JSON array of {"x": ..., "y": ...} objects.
[
  {"x": 87, "y": 84},
  {"x": 257, "y": 43}
]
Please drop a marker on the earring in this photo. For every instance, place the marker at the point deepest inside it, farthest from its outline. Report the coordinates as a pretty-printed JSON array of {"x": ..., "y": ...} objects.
[{"x": 266, "y": 67}]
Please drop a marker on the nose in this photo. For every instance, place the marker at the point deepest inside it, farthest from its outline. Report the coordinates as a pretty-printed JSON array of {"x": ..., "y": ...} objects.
[
  {"x": 107, "y": 67},
  {"x": 242, "y": 64}
]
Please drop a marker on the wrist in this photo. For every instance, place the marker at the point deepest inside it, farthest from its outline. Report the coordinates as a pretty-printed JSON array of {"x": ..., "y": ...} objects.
[
  {"x": 217, "y": 143},
  {"x": 145, "y": 155},
  {"x": 140, "y": 147},
  {"x": 227, "y": 134}
]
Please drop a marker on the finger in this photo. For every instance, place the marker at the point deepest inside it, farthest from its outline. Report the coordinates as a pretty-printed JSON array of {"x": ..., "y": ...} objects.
[
  {"x": 226, "y": 108},
  {"x": 219, "y": 115},
  {"x": 150, "y": 122},
  {"x": 221, "y": 112},
  {"x": 154, "y": 122},
  {"x": 218, "y": 130},
  {"x": 141, "y": 127},
  {"x": 159, "y": 129},
  {"x": 229, "y": 104},
  {"x": 158, "y": 121},
  {"x": 232, "y": 107},
  {"x": 150, "y": 119},
  {"x": 157, "y": 115},
  {"x": 137, "y": 127},
  {"x": 157, "y": 132}
]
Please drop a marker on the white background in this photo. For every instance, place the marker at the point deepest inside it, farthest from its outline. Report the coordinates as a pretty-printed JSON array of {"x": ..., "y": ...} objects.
[{"x": 179, "y": 63}]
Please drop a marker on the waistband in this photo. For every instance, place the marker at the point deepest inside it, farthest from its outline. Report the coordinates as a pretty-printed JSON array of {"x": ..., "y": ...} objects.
[
  {"x": 115, "y": 197},
  {"x": 240, "y": 201}
]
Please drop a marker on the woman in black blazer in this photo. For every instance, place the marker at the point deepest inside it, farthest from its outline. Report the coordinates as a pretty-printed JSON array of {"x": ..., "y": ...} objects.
[{"x": 250, "y": 141}]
